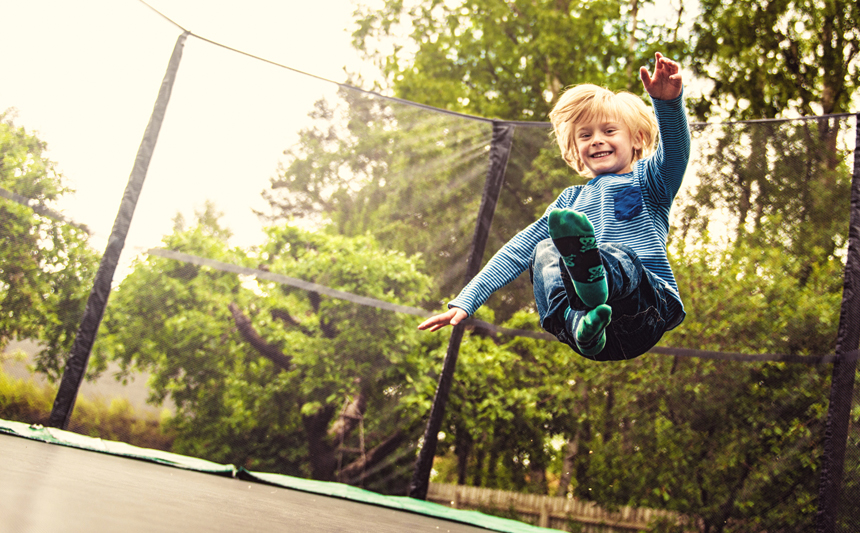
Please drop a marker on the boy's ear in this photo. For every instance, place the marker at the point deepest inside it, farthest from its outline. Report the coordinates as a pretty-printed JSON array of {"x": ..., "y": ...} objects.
[{"x": 639, "y": 140}]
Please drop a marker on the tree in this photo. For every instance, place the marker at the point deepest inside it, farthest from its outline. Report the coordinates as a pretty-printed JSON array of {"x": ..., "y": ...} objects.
[
  {"x": 46, "y": 265},
  {"x": 507, "y": 60},
  {"x": 790, "y": 192},
  {"x": 409, "y": 176},
  {"x": 268, "y": 376},
  {"x": 767, "y": 59}
]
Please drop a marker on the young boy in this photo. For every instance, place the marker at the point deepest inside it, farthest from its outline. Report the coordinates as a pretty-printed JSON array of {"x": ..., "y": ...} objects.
[{"x": 597, "y": 258}]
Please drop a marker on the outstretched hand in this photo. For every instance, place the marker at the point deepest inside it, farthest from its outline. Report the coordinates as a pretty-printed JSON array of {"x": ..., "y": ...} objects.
[
  {"x": 666, "y": 84},
  {"x": 451, "y": 317}
]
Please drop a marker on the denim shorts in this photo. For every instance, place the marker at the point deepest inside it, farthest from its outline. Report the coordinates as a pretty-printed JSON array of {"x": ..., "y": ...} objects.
[{"x": 643, "y": 305}]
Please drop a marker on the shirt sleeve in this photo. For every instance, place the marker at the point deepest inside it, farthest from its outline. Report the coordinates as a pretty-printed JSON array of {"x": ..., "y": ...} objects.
[
  {"x": 510, "y": 261},
  {"x": 664, "y": 171}
]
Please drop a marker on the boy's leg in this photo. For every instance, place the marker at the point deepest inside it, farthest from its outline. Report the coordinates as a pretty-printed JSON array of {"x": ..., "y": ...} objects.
[
  {"x": 638, "y": 301},
  {"x": 641, "y": 312},
  {"x": 590, "y": 330},
  {"x": 550, "y": 292},
  {"x": 554, "y": 298},
  {"x": 573, "y": 236}
]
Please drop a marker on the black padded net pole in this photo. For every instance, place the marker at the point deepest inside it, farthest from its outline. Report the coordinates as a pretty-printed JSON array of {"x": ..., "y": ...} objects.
[
  {"x": 842, "y": 381},
  {"x": 503, "y": 135},
  {"x": 76, "y": 366}
]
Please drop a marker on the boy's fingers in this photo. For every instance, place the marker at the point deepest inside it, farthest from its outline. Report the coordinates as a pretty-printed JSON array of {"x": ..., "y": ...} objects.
[
  {"x": 440, "y": 321},
  {"x": 427, "y": 323},
  {"x": 645, "y": 75}
]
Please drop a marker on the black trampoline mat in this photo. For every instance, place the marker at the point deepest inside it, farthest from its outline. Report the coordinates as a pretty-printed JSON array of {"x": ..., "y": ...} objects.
[{"x": 47, "y": 487}]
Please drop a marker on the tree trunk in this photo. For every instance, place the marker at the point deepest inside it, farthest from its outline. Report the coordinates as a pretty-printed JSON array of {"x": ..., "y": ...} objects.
[
  {"x": 572, "y": 448},
  {"x": 631, "y": 43},
  {"x": 491, "y": 467},
  {"x": 537, "y": 477},
  {"x": 321, "y": 453},
  {"x": 349, "y": 419},
  {"x": 463, "y": 448},
  {"x": 246, "y": 329},
  {"x": 567, "y": 466},
  {"x": 478, "y": 472},
  {"x": 609, "y": 419}
]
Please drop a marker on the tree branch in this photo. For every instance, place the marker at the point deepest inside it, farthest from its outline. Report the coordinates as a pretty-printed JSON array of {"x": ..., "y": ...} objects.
[
  {"x": 246, "y": 329},
  {"x": 284, "y": 316},
  {"x": 349, "y": 418}
]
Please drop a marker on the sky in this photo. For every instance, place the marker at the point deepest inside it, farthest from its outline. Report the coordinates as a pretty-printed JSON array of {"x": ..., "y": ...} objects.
[{"x": 84, "y": 76}]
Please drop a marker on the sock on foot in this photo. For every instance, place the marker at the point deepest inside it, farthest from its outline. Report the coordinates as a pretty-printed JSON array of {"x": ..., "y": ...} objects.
[
  {"x": 573, "y": 236},
  {"x": 590, "y": 333}
]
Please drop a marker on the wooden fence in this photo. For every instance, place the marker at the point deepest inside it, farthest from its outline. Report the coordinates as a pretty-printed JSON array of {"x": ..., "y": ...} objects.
[{"x": 565, "y": 514}]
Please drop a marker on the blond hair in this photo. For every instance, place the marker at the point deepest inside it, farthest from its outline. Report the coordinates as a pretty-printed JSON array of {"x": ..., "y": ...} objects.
[{"x": 583, "y": 103}]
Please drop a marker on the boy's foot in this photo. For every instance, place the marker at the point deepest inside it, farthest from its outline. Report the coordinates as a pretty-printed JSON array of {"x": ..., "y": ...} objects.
[
  {"x": 590, "y": 333},
  {"x": 573, "y": 236}
]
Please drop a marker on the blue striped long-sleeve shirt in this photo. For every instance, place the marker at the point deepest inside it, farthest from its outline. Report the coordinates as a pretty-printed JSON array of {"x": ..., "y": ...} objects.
[{"x": 631, "y": 209}]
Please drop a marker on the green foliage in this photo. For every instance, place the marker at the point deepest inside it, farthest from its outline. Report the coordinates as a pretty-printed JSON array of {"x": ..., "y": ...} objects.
[
  {"x": 46, "y": 266},
  {"x": 757, "y": 300},
  {"x": 260, "y": 372},
  {"x": 506, "y": 60},
  {"x": 736, "y": 443},
  {"x": 410, "y": 178},
  {"x": 770, "y": 58},
  {"x": 716, "y": 441}
]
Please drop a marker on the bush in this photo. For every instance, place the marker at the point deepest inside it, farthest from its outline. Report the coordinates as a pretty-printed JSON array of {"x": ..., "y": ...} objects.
[{"x": 25, "y": 401}]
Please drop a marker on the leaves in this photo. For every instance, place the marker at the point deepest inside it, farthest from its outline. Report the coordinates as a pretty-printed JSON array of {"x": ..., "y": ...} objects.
[
  {"x": 506, "y": 60},
  {"x": 209, "y": 339},
  {"x": 770, "y": 58},
  {"x": 46, "y": 266}
]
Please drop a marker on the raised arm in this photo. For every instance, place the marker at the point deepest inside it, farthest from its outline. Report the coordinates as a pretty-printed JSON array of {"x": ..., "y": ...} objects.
[{"x": 665, "y": 169}]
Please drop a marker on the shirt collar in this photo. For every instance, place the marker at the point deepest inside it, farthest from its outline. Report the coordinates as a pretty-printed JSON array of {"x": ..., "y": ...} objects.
[{"x": 596, "y": 178}]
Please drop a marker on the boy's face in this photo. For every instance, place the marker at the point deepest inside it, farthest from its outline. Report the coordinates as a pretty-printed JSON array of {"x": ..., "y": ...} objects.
[{"x": 605, "y": 145}]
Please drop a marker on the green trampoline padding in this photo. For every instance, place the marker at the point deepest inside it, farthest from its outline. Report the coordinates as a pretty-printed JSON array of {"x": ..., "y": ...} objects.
[
  {"x": 121, "y": 449},
  {"x": 325, "y": 488}
]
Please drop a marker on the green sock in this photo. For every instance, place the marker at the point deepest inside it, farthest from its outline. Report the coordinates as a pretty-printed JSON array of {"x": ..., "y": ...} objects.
[
  {"x": 590, "y": 334},
  {"x": 573, "y": 236}
]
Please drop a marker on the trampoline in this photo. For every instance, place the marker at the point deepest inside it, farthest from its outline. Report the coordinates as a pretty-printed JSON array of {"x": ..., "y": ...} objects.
[
  {"x": 54, "y": 480},
  {"x": 216, "y": 322}
]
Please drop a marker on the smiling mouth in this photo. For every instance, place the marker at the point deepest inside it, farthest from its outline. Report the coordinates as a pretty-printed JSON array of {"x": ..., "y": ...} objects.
[{"x": 600, "y": 155}]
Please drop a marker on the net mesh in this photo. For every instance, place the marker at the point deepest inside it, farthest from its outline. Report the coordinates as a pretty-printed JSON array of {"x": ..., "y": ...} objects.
[{"x": 379, "y": 199}]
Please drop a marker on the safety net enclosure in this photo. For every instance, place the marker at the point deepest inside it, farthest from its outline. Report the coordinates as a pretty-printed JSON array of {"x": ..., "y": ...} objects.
[{"x": 275, "y": 307}]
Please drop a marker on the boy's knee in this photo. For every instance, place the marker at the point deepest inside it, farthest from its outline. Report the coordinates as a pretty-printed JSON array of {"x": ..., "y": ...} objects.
[
  {"x": 541, "y": 256},
  {"x": 619, "y": 252},
  {"x": 545, "y": 253}
]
